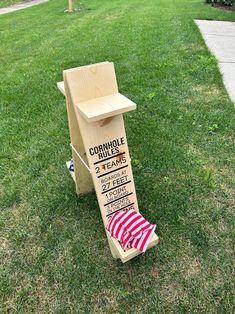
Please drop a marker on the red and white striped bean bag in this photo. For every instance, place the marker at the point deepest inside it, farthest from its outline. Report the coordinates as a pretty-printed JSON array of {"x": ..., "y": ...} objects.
[{"x": 131, "y": 229}]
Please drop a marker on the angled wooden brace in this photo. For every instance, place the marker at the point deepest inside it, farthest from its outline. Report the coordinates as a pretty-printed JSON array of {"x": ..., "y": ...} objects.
[{"x": 99, "y": 145}]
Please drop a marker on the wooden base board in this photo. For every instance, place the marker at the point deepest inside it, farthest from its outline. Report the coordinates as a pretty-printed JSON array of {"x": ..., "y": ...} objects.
[{"x": 129, "y": 254}]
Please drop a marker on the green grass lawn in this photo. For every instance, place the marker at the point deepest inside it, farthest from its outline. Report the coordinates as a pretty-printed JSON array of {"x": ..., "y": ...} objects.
[{"x": 54, "y": 256}]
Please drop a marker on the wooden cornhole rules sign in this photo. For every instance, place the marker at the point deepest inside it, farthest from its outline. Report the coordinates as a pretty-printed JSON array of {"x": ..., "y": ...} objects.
[
  {"x": 112, "y": 173},
  {"x": 99, "y": 144}
]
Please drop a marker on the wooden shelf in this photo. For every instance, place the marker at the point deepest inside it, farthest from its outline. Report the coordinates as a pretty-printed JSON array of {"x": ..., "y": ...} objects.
[
  {"x": 102, "y": 107},
  {"x": 105, "y": 107},
  {"x": 129, "y": 254}
]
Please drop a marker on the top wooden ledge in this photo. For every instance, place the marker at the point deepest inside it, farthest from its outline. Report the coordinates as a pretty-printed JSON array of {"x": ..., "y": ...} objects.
[
  {"x": 105, "y": 107},
  {"x": 94, "y": 92},
  {"x": 102, "y": 107}
]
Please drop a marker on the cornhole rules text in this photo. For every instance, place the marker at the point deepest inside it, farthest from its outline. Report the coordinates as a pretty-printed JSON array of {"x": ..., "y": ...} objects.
[{"x": 111, "y": 169}]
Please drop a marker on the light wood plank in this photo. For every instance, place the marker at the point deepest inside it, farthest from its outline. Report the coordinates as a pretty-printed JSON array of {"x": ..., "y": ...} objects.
[
  {"x": 83, "y": 180},
  {"x": 94, "y": 81},
  {"x": 112, "y": 177},
  {"x": 60, "y": 86},
  {"x": 131, "y": 253},
  {"x": 105, "y": 107}
]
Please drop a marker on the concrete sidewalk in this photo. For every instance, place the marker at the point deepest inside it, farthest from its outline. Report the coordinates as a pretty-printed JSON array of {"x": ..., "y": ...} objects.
[
  {"x": 20, "y": 6},
  {"x": 220, "y": 39}
]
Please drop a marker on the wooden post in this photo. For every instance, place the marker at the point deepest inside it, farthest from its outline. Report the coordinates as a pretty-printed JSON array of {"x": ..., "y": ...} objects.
[
  {"x": 71, "y": 6},
  {"x": 99, "y": 144}
]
